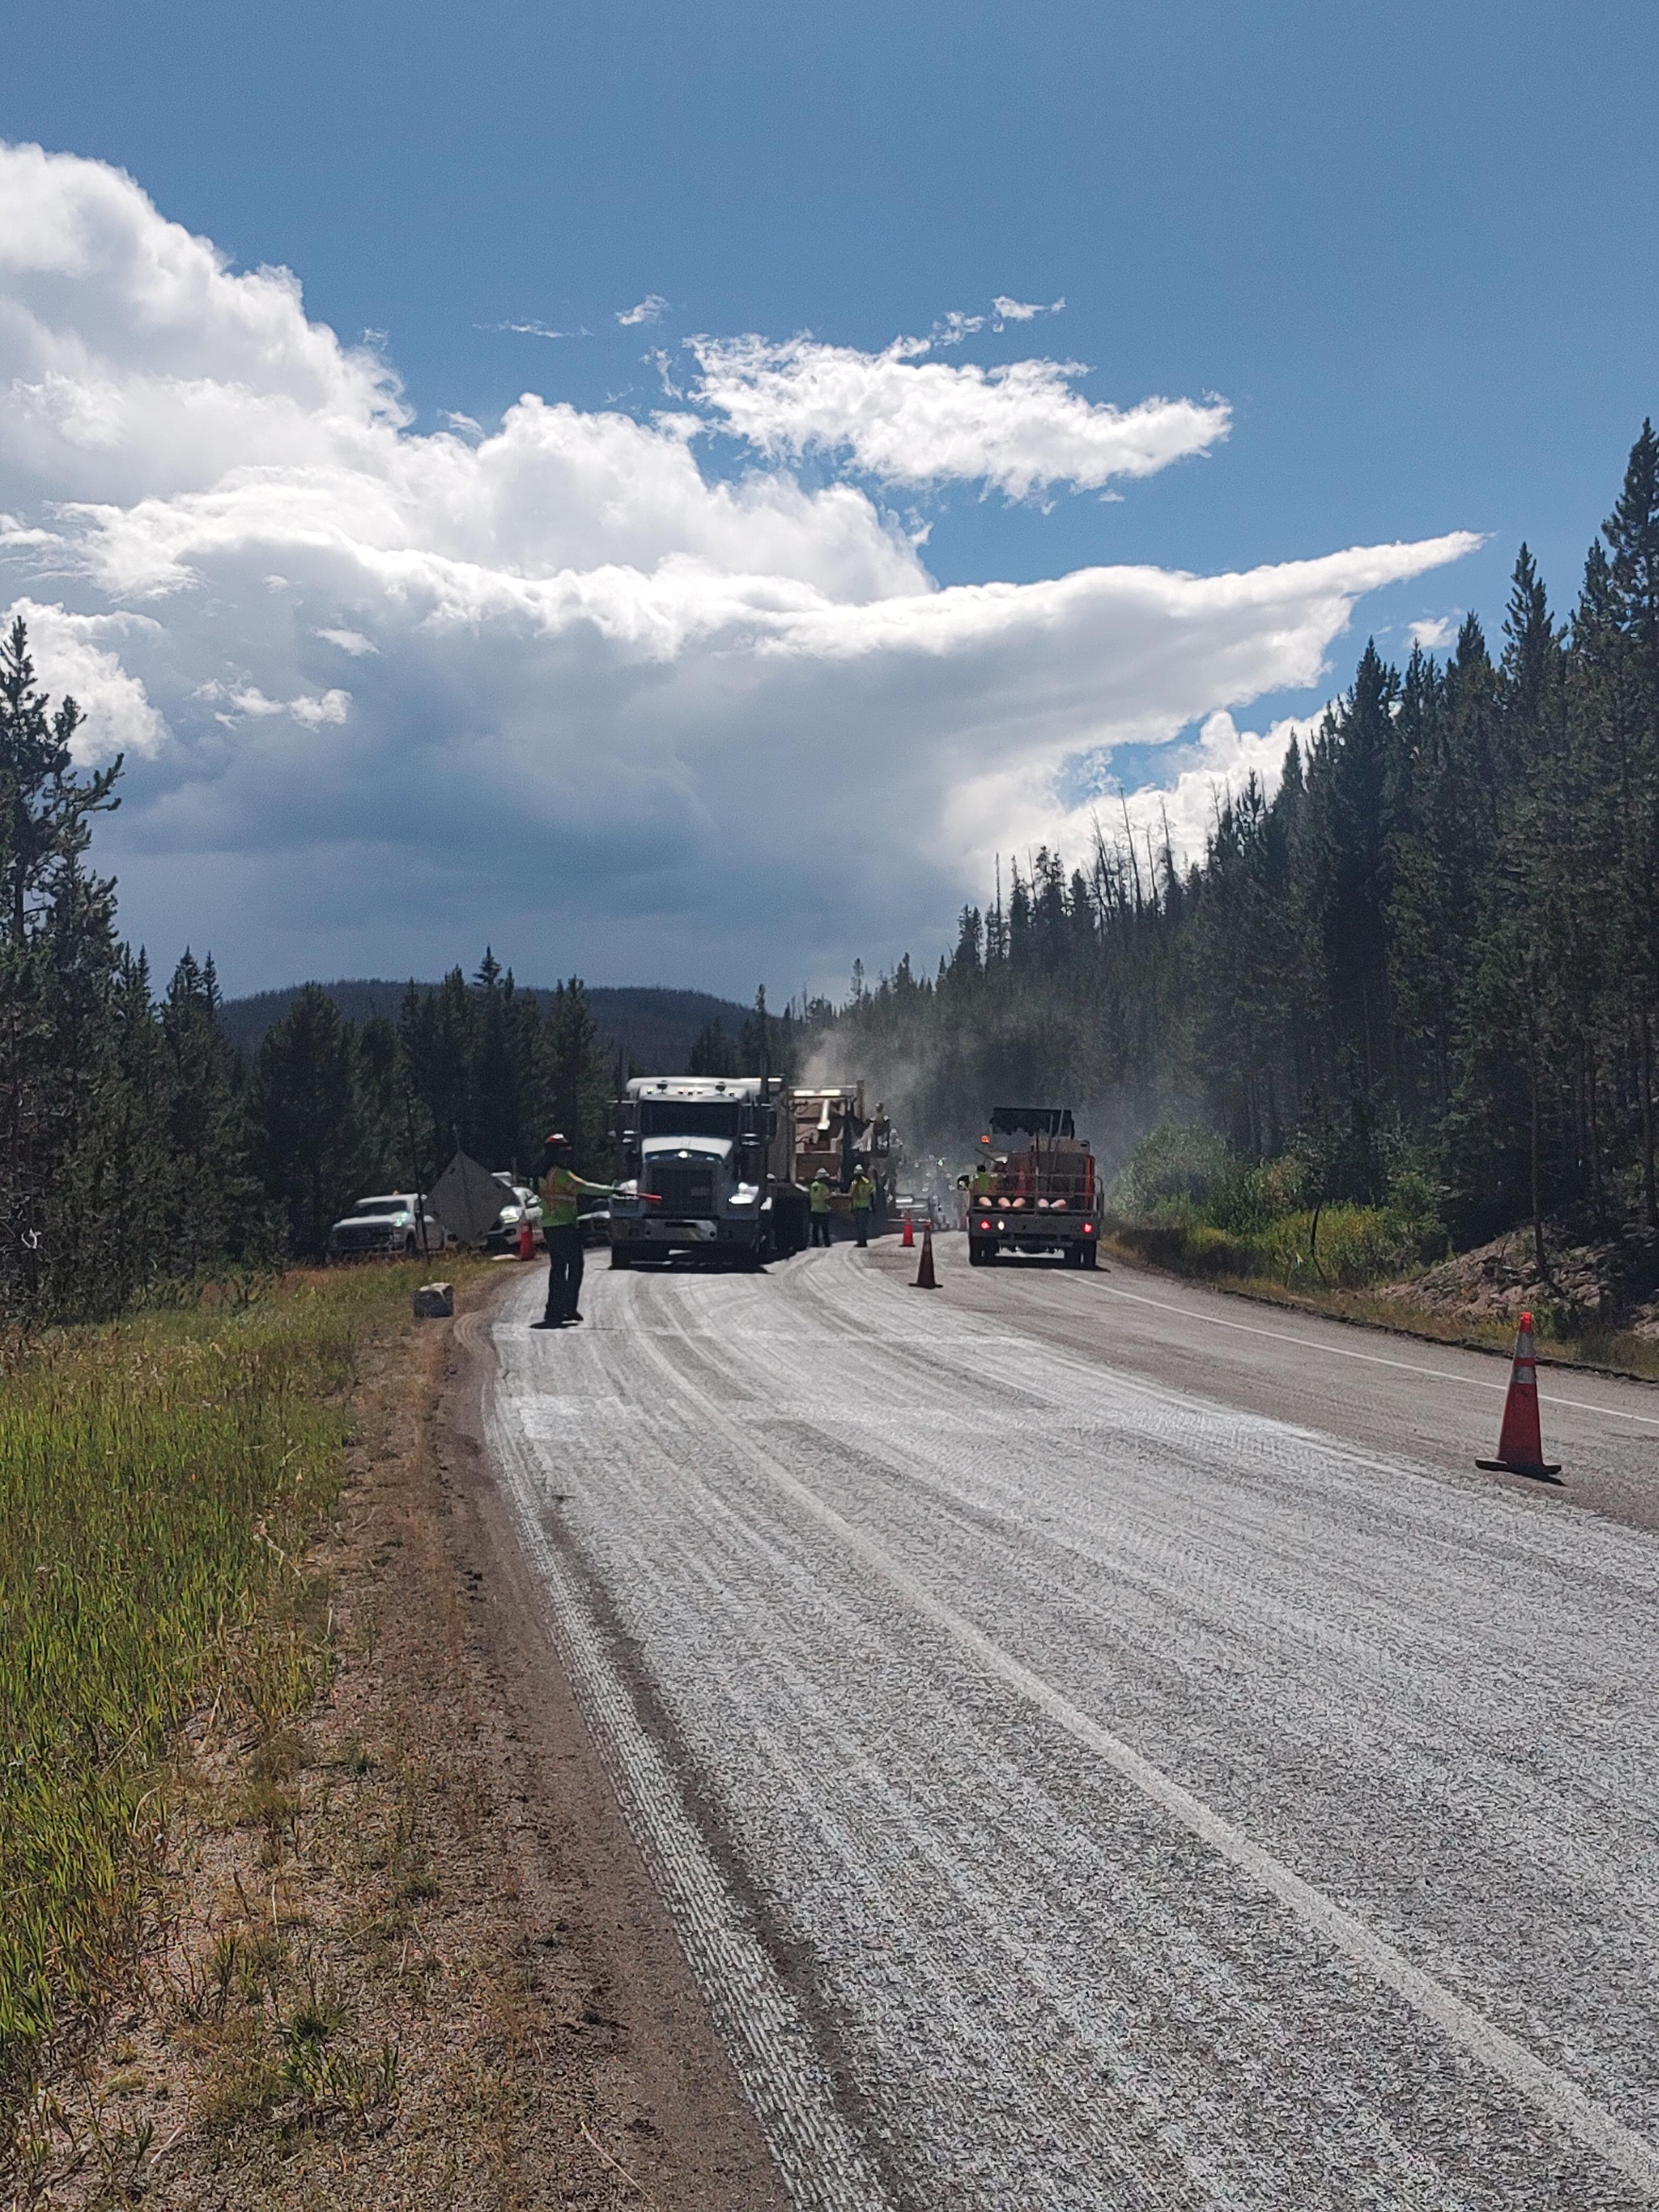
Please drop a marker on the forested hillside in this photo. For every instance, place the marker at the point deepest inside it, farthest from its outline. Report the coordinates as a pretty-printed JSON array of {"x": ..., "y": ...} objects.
[
  {"x": 1434, "y": 951},
  {"x": 656, "y": 1028}
]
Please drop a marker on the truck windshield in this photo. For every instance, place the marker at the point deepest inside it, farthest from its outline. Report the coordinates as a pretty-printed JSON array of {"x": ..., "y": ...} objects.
[{"x": 688, "y": 1118}]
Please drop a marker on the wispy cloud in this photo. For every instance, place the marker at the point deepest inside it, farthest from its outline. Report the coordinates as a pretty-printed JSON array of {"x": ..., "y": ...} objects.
[
  {"x": 247, "y": 701},
  {"x": 651, "y": 309},
  {"x": 1434, "y": 631},
  {"x": 910, "y": 421},
  {"x": 952, "y": 328},
  {"x": 1021, "y": 311},
  {"x": 349, "y": 640},
  {"x": 534, "y": 329}
]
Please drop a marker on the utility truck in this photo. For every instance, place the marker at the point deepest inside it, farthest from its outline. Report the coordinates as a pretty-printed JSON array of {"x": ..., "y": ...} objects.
[
  {"x": 1034, "y": 1190},
  {"x": 707, "y": 1168}
]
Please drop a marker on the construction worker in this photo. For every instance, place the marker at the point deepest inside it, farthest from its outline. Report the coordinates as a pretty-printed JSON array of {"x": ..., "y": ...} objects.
[
  {"x": 818, "y": 1199},
  {"x": 862, "y": 1192},
  {"x": 561, "y": 1188},
  {"x": 985, "y": 1182}
]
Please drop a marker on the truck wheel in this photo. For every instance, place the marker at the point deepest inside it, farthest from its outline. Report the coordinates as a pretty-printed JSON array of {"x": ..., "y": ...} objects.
[
  {"x": 409, "y": 1248},
  {"x": 618, "y": 1257},
  {"x": 1091, "y": 1255}
]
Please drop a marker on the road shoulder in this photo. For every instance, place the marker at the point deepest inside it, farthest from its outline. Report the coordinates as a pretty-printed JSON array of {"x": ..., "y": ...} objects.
[{"x": 403, "y": 1950}]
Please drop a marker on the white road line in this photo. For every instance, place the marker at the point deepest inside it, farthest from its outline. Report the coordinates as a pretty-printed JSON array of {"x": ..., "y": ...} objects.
[
  {"x": 1588, "y": 2122},
  {"x": 816, "y": 2151},
  {"x": 1371, "y": 1358}
]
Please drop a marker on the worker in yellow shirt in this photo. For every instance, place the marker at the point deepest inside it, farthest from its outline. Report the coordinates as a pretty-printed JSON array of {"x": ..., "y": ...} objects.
[
  {"x": 862, "y": 1192},
  {"x": 561, "y": 1188},
  {"x": 818, "y": 1199}
]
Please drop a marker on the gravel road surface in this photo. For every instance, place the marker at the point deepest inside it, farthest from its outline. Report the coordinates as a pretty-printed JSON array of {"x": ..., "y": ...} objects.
[{"x": 1102, "y": 1744}]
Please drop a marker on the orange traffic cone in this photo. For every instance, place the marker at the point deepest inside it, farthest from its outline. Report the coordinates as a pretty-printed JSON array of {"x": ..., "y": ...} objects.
[
  {"x": 909, "y": 1236},
  {"x": 926, "y": 1279},
  {"x": 1520, "y": 1443},
  {"x": 526, "y": 1243}
]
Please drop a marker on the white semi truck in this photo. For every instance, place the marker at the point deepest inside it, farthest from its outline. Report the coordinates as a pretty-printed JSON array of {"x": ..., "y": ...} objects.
[{"x": 708, "y": 1167}]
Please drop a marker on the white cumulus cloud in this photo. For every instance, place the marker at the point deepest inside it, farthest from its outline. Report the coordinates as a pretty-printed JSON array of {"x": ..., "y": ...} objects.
[
  {"x": 910, "y": 421},
  {"x": 651, "y": 309},
  {"x": 608, "y": 711},
  {"x": 80, "y": 655},
  {"x": 1433, "y": 631}
]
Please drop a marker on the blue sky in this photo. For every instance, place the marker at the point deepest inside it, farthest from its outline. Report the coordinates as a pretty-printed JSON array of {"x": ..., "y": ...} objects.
[{"x": 1412, "y": 248}]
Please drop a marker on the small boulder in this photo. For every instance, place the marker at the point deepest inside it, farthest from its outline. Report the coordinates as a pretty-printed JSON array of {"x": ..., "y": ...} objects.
[{"x": 434, "y": 1302}]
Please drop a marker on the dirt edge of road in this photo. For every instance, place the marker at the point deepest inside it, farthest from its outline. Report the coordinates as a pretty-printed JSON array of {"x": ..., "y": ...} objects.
[{"x": 404, "y": 1952}]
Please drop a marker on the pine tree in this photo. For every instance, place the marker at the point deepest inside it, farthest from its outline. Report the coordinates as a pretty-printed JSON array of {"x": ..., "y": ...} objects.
[{"x": 312, "y": 1145}]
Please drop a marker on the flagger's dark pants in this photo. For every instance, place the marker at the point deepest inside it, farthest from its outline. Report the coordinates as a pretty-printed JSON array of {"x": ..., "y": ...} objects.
[
  {"x": 564, "y": 1274},
  {"x": 861, "y": 1223},
  {"x": 820, "y": 1229}
]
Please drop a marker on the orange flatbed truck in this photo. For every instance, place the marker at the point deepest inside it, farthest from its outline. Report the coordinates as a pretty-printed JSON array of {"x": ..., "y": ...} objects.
[{"x": 1044, "y": 1196}]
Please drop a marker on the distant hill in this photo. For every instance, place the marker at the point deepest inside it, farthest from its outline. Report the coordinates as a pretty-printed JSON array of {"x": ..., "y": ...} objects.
[{"x": 654, "y": 1027}]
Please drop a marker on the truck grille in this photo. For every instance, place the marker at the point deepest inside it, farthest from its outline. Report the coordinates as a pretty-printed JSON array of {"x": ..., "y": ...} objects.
[
  {"x": 686, "y": 1191},
  {"x": 364, "y": 1239}
]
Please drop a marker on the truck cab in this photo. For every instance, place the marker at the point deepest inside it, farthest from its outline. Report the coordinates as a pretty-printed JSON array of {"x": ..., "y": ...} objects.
[{"x": 705, "y": 1169}]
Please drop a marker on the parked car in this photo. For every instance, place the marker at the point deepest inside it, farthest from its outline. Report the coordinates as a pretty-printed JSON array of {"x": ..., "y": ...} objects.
[
  {"x": 387, "y": 1221},
  {"x": 520, "y": 1204}
]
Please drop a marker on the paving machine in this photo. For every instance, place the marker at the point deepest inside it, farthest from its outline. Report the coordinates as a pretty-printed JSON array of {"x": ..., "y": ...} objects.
[
  {"x": 834, "y": 1137},
  {"x": 1035, "y": 1191}
]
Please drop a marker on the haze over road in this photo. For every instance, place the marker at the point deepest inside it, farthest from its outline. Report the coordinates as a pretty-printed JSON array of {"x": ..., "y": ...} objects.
[{"x": 1103, "y": 1745}]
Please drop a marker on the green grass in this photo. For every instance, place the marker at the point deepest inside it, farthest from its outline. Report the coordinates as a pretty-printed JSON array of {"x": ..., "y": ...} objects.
[
  {"x": 159, "y": 1479},
  {"x": 1356, "y": 1246}
]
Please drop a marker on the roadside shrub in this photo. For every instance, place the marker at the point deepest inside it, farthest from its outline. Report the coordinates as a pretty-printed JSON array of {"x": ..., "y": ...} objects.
[{"x": 1176, "y": 1165}]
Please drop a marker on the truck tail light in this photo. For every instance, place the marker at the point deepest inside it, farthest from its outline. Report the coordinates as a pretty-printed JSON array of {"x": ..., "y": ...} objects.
[{"x": 1088, "y": 1228}]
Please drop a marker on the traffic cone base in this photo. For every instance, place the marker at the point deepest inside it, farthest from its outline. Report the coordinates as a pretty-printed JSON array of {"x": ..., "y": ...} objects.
[
  {"x": 1520, "y": 1441},
  {"x": 926, "y": 1279}
]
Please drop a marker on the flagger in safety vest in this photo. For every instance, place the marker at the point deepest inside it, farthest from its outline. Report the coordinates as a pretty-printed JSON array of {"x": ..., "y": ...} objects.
[
  {"x": 561, "y": 1188},
  {"x": 862, "y": 1192},
  {"x": 985, "y": 1182},
  {"x": 818, "y": 1201}
]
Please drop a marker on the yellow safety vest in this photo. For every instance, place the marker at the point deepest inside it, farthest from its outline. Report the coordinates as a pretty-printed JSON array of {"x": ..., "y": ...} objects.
[
  {"x": 819, "y": 1195},
  {"x": 863, "y": 1192},
  {"x": 561, "y": 1189}
]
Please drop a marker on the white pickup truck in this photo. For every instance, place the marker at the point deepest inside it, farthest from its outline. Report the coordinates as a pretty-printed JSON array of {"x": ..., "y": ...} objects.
[{"x": 389, "y": 1221}]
